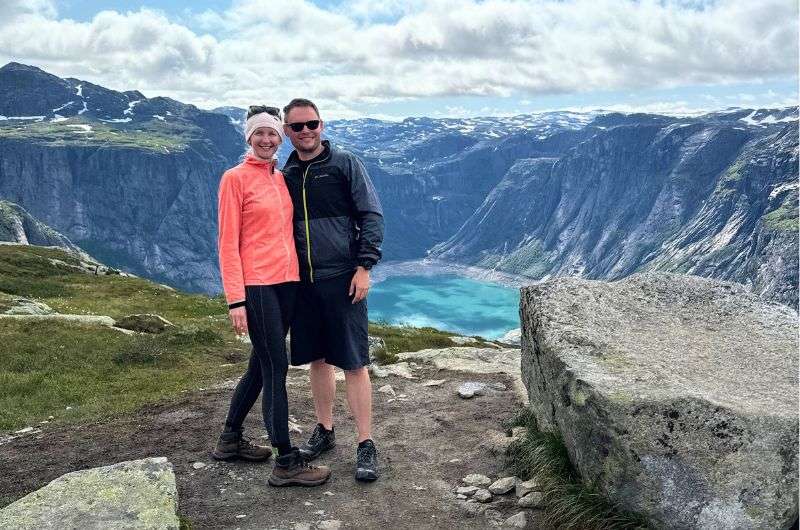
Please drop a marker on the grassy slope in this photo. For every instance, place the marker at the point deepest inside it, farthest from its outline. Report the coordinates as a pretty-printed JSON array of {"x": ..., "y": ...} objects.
[
  {"x": 46, "y": 367},
  {"x": 152, "y": 135}
]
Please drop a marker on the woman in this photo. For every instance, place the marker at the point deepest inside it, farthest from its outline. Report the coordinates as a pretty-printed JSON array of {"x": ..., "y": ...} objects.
[{"x": 259, "y": 273}]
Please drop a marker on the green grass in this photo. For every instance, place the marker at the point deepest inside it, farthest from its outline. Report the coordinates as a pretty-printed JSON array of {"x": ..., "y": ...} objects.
[
  {"x": 27, "y": 271},
  {"x": 49, "y": 365},
  {"x": 785, "y": 217},
  {"x": 153, "y": 136},
  {"x": 569, "y": 504},
  {"x": 46, "y": 366},
  {"x": 408, "y": 339}
]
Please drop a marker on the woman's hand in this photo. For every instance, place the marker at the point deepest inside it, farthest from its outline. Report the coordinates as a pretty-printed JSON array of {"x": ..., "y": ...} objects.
[{"x": 239, "y": 320}]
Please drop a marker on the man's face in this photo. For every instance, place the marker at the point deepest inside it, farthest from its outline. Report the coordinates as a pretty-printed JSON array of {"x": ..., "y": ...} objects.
[{"x": 305, "y": 140}]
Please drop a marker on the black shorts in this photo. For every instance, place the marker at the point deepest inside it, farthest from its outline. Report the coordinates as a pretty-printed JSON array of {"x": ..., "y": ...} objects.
[{"x": 327, "y": 325}]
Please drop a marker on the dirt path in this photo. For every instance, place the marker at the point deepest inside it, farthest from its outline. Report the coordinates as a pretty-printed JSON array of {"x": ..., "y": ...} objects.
[{"x": 427, "y": 442}]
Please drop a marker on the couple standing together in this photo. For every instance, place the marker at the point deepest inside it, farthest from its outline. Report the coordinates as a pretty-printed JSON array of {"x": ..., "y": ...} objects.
[{"x": 295, "y": 250}]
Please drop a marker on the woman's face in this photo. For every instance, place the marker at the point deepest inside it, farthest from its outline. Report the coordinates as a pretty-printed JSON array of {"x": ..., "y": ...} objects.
[{"x": 265, "y": 141}]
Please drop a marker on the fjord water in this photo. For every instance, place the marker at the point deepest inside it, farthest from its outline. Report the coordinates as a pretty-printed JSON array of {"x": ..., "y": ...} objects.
[{"x": 446, "y": 302}]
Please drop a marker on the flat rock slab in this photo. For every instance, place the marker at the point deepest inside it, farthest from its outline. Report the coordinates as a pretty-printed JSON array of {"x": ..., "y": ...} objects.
[
  {"x": 473, "y": 360},
  {"x": 135, "y": 494},
  {"x": 676, "y": 394}
]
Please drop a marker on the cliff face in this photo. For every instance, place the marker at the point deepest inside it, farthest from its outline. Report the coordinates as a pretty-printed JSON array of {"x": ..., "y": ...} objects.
[
  {"x": 130, "y": 179},
  {"x": 148, "y": 212},
  {"x": 706, "y": 196}
]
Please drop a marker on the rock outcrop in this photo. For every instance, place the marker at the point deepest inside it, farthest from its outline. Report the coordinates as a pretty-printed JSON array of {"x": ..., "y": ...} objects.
[
  {"x": 714, "y": 196},
  {"x": 137, "y": 494},
  {"x": 675, "y": 395}
]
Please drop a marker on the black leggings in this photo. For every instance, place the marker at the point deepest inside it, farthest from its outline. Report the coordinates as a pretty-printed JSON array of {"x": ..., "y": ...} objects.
[{"x": 269, "y": 311}]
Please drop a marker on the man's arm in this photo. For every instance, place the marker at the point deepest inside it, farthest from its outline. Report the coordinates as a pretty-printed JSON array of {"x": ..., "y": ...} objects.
[
  {"x": 369, "y": 213},
  {"x": 369, "y": 217}
]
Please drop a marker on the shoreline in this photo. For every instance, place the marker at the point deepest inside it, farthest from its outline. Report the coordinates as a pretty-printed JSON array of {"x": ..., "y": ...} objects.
[{"x": 434, "y": 267}]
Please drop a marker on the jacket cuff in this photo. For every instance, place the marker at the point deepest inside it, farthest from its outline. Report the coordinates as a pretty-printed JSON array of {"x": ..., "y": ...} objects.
[
  {"x": 366, "y": 263},
  {"x": 237, "y": 304}
]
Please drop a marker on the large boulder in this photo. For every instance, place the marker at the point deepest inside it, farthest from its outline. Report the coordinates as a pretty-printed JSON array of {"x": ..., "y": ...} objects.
[
  {"x": 675, "y": 395},
  {"x": 137, "y": 494}
]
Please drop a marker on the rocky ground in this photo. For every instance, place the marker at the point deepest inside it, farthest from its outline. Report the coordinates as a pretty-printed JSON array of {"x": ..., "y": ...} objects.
[{"x": 428, "y": 438}]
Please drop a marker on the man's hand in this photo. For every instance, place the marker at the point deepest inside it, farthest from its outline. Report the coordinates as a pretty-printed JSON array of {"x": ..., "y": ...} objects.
[
  {"x": 239, "y": 320},
  {"x": 359, "y": 286}
]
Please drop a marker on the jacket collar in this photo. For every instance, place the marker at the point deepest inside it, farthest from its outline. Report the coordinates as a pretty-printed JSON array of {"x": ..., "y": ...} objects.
[
  {"x": 294, "y": 160},
  {"x": 252, "y": 160}
]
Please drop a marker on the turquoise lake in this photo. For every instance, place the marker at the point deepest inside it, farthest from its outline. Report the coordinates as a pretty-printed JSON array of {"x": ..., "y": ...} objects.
[{"x": 446, "y": 302}]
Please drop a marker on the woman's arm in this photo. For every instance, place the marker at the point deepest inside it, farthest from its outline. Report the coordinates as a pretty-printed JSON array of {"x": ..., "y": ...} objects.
[{"x": 230, "y": 262}]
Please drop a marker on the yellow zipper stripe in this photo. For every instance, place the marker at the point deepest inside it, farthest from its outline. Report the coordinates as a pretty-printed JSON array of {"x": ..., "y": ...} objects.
[{"x": 308, "y": 232}]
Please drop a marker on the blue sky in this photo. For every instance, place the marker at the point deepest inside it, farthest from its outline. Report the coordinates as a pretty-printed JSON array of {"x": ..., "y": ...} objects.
[{"x": 392, "y": 59}]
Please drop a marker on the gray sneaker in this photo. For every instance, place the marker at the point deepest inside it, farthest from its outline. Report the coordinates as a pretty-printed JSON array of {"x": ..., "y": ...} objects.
[
  {"x": 321, "y": 440},
  {"x": 367, "y": 462}
]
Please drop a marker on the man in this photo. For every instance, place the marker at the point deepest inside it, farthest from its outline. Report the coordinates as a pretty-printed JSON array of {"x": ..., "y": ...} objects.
[{"x": 338, "y": 229}]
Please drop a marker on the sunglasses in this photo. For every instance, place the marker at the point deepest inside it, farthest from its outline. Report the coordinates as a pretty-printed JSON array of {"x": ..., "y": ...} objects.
[
  {"x": 298, "y": 126},
  {"x": 258, "y": 109}
]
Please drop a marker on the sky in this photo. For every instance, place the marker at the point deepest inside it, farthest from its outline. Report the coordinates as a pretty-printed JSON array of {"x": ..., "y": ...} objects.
[{"x": 442, "y": 58}]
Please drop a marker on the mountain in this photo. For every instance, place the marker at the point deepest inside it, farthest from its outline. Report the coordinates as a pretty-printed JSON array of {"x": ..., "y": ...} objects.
[
  {"x": 18, "y": 226},
  {"x": 133, "y": 180},
  {"x": 715, "y": 195},
  {"x": 130, "y": 179}
]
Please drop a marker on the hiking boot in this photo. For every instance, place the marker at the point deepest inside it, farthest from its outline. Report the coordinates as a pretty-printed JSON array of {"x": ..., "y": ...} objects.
[
  {"x": 293, "y": 470},
  {"x": 232, "y": 445},
  {"x": 366, "y": 461},
  {"x": 321, "y": 440}
]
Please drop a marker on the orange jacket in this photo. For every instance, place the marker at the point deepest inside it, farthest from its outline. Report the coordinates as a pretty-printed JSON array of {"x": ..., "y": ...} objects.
[{"x": 256, "y": 243}]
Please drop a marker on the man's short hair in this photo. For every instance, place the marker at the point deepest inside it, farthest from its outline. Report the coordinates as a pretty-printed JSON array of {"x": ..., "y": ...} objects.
[{"x": 299, "y": 102}]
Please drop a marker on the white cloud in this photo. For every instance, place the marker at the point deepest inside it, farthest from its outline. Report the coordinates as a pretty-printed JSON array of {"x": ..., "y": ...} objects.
[{"x": 360, "y": 52}]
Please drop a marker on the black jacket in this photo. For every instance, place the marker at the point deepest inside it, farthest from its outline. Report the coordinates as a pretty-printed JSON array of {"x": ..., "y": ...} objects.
[{"x": 338, "y": 219}]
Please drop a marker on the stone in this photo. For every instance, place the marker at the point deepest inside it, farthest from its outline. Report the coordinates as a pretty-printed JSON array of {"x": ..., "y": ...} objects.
[
  {"x": 26, "y": 430},
  {"x": 474, "y": 360},
  {"x": 503, "y": 485},
  {"x": 376, "y": 346},
  {"x": 519, "y": 520},
  {"x": 328, "y": 493},
  {"x": 387, "y": 389},
  {"x": 399, "y": 369},
  {"x": 470, "y": 389},
  {"x": 26, "y": 306},
  {"x": 461, "y": 341},
  {"x": 533, "y": 499},
  {"x": 144, "y": 323},
  {"x": 302, "y": 526},
  {"x": 434, "y": 382},
  {"x": 330, "y": 524},
  {"x": 493, "y": 516},
  {"x": 135, "y": 494},
  {"x": 475, "y": 479},
  {"x": 523, "y": 488},
  {"x": 466, "y": 490},
  {"x": 377, "y": 371},
  {"x": 198, "y": 465},
  {"x": 513, "y": 337},
  {"x": 675, "y": 395},
  {"x": 495, "y": 442},
  {"x": 473, "y": 508},
  {"x": 460, "y": 496},
  {"x": 482, "y": 495}
]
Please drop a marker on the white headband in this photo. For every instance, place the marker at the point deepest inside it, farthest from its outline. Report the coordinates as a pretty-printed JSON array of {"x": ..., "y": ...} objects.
[{"x": 262, "y": 119}]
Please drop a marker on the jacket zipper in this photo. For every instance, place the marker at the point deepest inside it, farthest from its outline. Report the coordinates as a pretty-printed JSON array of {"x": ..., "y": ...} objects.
[
  {"x": 308, "y": 232},
  {"x": 271, "y": 178}
]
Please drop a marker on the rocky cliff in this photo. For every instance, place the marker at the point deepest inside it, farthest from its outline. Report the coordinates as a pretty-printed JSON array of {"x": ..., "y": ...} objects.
[
  {"x": 131, "y": 180},
  {"x": 714, "y": 196}
]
